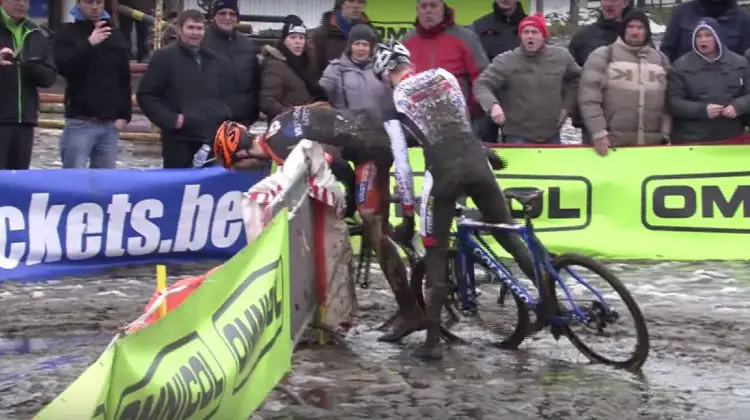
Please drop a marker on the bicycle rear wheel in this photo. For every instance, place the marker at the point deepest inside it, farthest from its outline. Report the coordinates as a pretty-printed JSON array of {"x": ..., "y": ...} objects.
[
  {"x": 641, "y": 350},
  {"x": 515, "y": 326}
]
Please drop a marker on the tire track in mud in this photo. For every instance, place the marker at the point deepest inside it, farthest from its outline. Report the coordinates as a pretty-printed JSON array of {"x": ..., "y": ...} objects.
[{"x": 698, "y": 314}]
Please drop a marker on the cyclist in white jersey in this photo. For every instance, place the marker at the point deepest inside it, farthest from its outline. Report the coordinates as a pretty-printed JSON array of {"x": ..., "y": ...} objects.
[{"x": 432, "y": 105}]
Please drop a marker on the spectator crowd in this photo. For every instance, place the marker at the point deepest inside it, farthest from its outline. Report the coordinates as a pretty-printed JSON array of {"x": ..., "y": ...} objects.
[{"x": 614, "y": 83}]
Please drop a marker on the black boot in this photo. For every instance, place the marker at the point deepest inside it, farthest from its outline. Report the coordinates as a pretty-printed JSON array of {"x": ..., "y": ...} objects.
[
  {"x": 410, "y": 315},
  {"x": 432, "y": 348},
  {"x": 409, "y": 319}
]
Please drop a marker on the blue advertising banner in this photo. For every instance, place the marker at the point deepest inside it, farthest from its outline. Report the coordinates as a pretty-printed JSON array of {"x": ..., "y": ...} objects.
[{"x": 57, "y": 223}]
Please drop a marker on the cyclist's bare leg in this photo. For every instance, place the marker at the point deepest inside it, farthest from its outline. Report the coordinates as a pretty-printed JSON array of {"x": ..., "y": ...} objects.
[{"x": 374, "y": 219}]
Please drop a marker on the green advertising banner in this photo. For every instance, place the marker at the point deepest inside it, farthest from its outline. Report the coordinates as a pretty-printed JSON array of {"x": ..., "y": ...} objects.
[
  {"x": 672, "y": 203},
  {"x": 217, "y": 355},
  {"x": 394, "y": 18}
]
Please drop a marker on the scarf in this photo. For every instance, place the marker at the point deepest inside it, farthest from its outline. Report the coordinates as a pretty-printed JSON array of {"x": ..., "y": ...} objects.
[
  {"x": 344, "y": 24},
  {"x": 300, "y": 65}
]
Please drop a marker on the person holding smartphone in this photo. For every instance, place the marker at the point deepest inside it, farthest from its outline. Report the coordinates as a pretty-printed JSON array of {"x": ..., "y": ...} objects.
[
  {"x": 24, "y": 67},
  {"x": 92, "y": 56}
]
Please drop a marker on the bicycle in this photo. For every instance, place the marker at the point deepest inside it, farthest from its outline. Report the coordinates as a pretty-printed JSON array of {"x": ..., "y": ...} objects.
[
  {"x": 362, "y": 276},
  {"x": 470, "y": 249}
]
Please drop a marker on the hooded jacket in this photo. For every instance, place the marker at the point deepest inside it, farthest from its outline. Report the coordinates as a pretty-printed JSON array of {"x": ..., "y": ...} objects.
[
  {"x": 451, "y": 47},
  {"x": 698, "y": 81},
  {"x": 622, "y": 91},
  {"x": 734, "y": 23}
]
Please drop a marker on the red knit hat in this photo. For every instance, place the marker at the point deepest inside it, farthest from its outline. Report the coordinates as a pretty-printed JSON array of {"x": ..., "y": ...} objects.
[{"x": 536, "y": 20}]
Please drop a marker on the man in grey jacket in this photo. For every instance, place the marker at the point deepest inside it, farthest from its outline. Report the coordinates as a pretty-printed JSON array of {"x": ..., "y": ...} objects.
[
  {"x": 536, "y": 85},
  {"x": 707, "y": 92}
]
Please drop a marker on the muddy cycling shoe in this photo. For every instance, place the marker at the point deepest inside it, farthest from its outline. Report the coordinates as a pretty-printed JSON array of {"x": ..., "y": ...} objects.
[
  {"x": 432, "y": 348},
  {"x": 402, "y": 328},
  {"x": 429, "y": 352}
]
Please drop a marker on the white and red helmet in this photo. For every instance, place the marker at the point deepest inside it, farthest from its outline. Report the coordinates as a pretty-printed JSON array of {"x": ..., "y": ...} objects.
[{"x": 389, "y": 55}]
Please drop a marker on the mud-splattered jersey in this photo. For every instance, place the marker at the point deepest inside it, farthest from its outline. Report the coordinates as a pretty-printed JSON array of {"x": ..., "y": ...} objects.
[
  {"x": 432, "y": 103},
  {"x": 432, "y": 106},
  {"x": 358, "y": 133}
]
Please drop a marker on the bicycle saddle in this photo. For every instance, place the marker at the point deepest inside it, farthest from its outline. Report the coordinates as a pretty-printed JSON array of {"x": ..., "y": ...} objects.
[{"x": 525, "y": 196}]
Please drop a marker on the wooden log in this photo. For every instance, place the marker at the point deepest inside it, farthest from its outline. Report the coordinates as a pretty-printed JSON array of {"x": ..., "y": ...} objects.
[
  {"x": 59, "y": 98},
  {"x": 138, "y": 136},
  {"x": 133, "y": 127},
  {"x": 58, "y": 108}
]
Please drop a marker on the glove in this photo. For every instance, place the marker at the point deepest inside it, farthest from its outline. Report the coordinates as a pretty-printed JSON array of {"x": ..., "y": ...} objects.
[
  {"x": 496, "y": 161},
  {"x": 404, "y": 232}
]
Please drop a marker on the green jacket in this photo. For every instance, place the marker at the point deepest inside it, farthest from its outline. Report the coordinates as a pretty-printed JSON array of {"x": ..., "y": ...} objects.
[{"x": 19, "y": 97}]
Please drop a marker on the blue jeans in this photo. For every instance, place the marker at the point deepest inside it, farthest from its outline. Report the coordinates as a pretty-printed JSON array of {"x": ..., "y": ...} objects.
[
  {"x": 521, "y": 140},
  {"x": 88, "y": 144}
]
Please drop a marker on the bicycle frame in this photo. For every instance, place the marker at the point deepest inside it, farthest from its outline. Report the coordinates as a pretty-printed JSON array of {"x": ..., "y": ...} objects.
[{"x": 466, "y": 247}]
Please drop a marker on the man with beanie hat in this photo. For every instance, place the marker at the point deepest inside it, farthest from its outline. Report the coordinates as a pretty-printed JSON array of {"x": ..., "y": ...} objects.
[
  {"x": 240, "y": 78},
  {"x": 221, "y": 5},
  {"x": 525, "y": 80},
  {"x": 622, "y": 93},
  {"x": 603, "y": 32},
  {"x": 708, "y": 90}
]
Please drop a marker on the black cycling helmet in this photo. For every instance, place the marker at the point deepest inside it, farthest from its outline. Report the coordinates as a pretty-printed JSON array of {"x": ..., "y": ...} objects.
[{"x": 388, "y": 56}]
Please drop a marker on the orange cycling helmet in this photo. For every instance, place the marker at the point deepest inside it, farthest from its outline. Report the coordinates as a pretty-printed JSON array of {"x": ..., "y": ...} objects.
[{"x": 231, "y": 137}]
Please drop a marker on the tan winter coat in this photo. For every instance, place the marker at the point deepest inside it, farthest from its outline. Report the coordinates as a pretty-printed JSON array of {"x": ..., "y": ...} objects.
[{"x": 622, "y": 94}]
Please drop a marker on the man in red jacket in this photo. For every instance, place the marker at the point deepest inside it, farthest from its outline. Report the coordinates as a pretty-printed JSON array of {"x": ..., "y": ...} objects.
[{"x": 437, "y": 41}]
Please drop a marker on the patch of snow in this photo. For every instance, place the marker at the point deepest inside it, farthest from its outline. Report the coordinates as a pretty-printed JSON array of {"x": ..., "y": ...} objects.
[
  {"x": 112, "y": 293},
  {"x": 588, "y": 16},
  {"x": 658, "y": 28}
]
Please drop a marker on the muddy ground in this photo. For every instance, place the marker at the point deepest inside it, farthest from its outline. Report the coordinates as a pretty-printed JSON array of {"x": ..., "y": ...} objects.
[{"x": 698, "y": 315}]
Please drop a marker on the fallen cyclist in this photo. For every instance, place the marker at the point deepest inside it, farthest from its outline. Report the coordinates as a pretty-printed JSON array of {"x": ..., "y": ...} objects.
[
  {"x": 432, "y": 105},
  {"x": 361, "y": 138}
]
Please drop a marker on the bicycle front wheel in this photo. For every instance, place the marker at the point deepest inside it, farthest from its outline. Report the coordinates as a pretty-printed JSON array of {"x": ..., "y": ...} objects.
[
  {"x": 512, "y": 325},
  {"x": 601, "y": 314}
]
